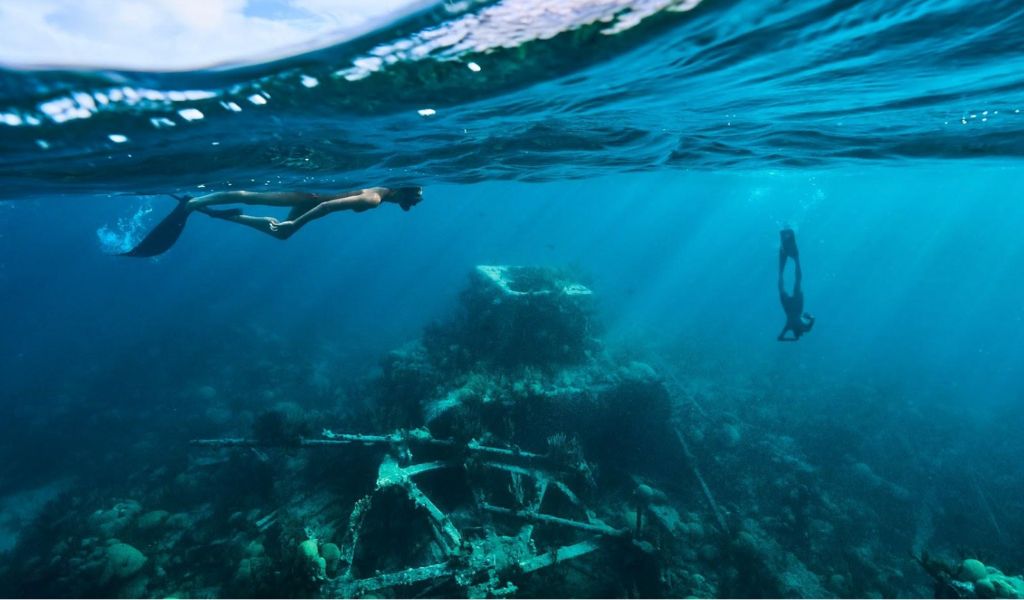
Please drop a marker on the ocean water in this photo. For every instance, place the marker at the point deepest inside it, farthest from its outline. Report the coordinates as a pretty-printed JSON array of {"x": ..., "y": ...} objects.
[{"x": 650, "y": 150}]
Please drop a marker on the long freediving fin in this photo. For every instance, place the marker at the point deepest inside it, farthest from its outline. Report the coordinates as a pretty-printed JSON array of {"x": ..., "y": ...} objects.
[{"x": 166, "y": 232}]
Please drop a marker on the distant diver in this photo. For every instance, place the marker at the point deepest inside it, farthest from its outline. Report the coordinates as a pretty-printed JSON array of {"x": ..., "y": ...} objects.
[
  {"x": 305, "y": 207},
  {"x": 797, "y": 321}
]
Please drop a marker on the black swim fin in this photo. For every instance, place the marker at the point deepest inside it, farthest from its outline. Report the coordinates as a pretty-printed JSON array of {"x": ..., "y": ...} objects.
[
  {"x": 221, "y": 213},
  {"x": 166, "y": 232}
]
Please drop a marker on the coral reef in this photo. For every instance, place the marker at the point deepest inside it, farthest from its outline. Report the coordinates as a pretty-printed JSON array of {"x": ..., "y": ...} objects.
[
  {"x": 459, "y": 503},
  {"x": 519, "y": 363},
  {"x": 971, "y": 578},
  {"x": 513, "y": 315},
  {"x": 508, "y": 452}
]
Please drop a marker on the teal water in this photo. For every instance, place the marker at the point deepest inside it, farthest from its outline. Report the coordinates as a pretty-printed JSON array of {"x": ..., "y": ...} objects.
[{"x": 657, "y": 164}]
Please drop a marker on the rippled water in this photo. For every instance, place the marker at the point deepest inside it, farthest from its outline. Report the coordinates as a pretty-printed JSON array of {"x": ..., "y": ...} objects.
[{"x": 533, "y": 90}]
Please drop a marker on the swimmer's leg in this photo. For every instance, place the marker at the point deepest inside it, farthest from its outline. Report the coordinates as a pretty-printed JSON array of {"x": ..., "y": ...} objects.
[
  {"x": 252, "y": 198},
  {"x": 799, "y": 277},
  {"x": 782, "y": 270},
  {"x": 788, "y": 238},
  {"x": 220, "y": 213},
  {"x": 258, "y": 223},
  {"x": 788, "y": 249}
]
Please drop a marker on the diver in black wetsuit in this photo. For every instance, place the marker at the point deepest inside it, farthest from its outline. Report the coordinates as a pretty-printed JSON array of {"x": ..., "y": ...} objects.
[{"x": 797, "y": 320}]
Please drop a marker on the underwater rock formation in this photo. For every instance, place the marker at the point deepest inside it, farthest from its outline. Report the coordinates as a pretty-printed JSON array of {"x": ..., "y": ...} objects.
[
  {"x": 514, "y": 316},
  {"x": 519, "y": 363},
  {"x": 971, "y": 578},
  {"x": 121, "y": 561}
]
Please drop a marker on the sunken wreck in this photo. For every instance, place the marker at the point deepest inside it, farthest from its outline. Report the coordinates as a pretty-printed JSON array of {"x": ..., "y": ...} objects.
[
  {"x": 500, "y": 447},
  {"x": 505, "y": 453}
]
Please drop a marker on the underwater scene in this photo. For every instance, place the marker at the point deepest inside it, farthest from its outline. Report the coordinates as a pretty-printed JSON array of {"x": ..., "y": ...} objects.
[{"x": 604, "y": 298}]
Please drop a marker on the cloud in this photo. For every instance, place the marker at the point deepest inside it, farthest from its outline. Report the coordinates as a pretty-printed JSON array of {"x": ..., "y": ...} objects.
[{"x": 175, "y": 34}]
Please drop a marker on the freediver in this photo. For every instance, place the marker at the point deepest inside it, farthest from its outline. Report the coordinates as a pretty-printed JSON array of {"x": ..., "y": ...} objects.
[
  {"x": 305, "y": 207},
  {"x": 797, "y": 321}
]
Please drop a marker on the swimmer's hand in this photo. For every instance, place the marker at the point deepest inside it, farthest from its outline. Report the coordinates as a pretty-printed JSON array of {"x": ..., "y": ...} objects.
[{"x": 282, "y": 229}]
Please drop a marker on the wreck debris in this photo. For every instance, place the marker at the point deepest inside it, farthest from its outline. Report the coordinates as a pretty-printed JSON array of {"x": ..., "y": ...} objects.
[
  {"x": 536, "y": 517},
  {"x": 692, "y": 462},
  {"x": 460, "y": 508},
  {"x": 399, "y": 439},
  {"x": 474, "y": 555}
]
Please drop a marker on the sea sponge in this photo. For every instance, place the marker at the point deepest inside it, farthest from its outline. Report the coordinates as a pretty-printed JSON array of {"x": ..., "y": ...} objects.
[
  {"x": 330, "y": 552},
  {"x": 310, "y": 557},
  {"x": 990, "y": 582},
  {"x": 308, "y": 550},
  {"x": 973, "y": 570}
]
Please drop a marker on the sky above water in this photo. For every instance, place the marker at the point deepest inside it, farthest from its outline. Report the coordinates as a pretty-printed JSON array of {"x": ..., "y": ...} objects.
[{"x": 177, "y": 34}]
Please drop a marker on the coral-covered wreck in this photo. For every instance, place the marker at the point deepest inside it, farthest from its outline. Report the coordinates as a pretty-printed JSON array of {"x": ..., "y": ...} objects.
[{"x": 515, "y": 445}]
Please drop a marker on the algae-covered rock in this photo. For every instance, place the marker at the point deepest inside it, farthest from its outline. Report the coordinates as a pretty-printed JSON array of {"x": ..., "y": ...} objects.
[
  {"x": 745, "y": 541},
  {"x": 179, "y": 521},
  {"x": 709, "y": 553},
  {"x": 110, "y": 522},
  {"x": 251, "y": 570},
  {"x": 837, "y": 582},
  {"x": 990, "y": 582},
  {"x": 152, "y": 519},
  {"x": 121, "y": 562},
  {"x": 984, "y": 588},
  {"x": 134, "y": 587},
  {"x": 254, "y": 549},
  {"x": 1005, "y": 586},
  {"x": 731, "y": 435},
  {"x": 1002, "y": 588},
  {"x": 641, "y": 371}
]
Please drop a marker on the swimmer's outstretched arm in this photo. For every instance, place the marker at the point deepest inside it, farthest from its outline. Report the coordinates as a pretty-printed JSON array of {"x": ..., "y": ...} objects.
[{"x": 364, "y": 200}]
